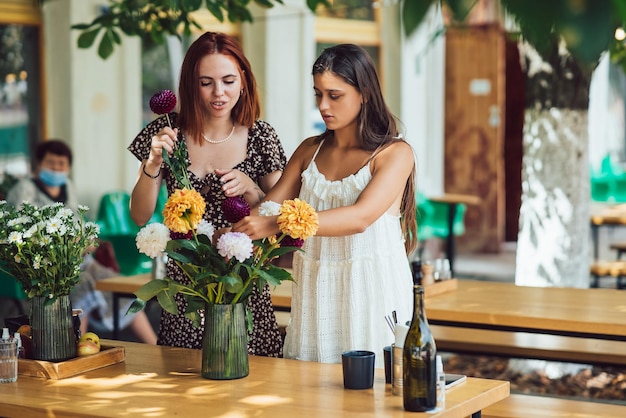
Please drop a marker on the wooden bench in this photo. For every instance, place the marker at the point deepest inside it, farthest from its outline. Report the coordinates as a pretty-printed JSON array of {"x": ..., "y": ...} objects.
[
  {"x": 615, "y": 269},
  {"x": 620, "y": 247},
  {"x": 526, "y": 406},
  {"x": 529, "y": 345}
]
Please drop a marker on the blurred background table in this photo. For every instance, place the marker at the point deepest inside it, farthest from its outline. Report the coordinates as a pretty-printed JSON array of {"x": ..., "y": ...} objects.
[{"x": 453, "y": 201}]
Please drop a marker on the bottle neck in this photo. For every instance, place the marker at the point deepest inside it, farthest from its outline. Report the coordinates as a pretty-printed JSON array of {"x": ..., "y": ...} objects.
[{"x": 418, "y": 303}]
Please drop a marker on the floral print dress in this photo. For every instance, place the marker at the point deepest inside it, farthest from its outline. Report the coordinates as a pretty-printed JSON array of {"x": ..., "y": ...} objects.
[{"x": 265, "y": 155}]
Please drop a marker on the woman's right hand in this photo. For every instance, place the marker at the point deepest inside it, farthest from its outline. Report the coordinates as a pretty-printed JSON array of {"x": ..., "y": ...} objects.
[
  {"x": 165, "y": 139},
  {"x": 257, "y": 227}
]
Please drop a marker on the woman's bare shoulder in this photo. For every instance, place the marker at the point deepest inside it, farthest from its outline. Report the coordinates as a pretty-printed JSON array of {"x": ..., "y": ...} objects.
[
  {"x": 396, "y": 149},
  {"x": 307, "y": 148}
]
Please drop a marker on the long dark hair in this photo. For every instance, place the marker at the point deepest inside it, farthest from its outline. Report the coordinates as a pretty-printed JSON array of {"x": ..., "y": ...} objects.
[
  {"x": 248, "y": 107},
  {"x": 377, "y": 126}
]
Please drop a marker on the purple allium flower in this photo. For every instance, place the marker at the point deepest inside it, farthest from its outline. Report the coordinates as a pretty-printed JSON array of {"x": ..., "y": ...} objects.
[
  {"x": 289, "y": 241},
  {"x": 235, "y": 209},
  {"x": 181, "y": 235},
  {"x": 163, "y": 102}
]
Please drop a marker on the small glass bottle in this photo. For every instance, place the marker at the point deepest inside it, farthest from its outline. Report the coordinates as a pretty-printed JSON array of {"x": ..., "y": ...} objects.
[
  {"x": 441, "y": 385},
  {"x": 20, "y": 348},
  {"x": 419, "y": 377}
]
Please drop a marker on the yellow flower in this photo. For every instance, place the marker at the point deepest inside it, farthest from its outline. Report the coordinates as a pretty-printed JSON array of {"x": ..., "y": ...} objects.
[
  {"x": 297, "y": 219},
  {"x": 183, "y": 210}
]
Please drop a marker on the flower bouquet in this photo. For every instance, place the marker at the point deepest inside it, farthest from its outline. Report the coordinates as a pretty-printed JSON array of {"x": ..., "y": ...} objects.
[
  {"x": 43, "y": 249},
  {"x": 224, "y": 272}
]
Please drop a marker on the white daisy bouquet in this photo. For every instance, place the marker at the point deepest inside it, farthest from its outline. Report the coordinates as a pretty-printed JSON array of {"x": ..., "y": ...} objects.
[
  {"x": 223, "y": 272},
  {"x": 43, "y": 247}
]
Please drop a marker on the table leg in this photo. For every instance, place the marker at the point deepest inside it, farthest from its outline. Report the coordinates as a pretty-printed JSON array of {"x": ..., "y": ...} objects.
[
  {"x": 116, "y": 315},
  {"x": 594, "y": 237},
  {"x": 451, "y": 216}
]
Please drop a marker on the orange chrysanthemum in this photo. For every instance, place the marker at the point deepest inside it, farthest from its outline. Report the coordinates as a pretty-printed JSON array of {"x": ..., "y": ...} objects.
[
  {"x": 297, "y": 219},
  {"x": 183, "y": 210}
]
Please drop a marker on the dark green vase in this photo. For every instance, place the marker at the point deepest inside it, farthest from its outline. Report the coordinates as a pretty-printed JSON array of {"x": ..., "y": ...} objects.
[
  {"x": 52, "y": 329},
  {"x": 225, "y": 342}
]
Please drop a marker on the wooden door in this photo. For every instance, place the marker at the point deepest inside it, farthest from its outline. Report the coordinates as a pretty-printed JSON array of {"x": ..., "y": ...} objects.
[{"x": 474, "y": 131}]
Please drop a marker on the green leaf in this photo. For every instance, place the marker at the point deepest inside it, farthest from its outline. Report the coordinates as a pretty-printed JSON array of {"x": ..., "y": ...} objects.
[
  {"x": 136, "y": 306},
  {"x": 167, "y": 302},
  {"x": 190, "y": 5},
  {"x": 215, "y": 9},
  {"x": 265, "y": 3},
  {"x": 232, "y": 282},
  {"x": 86, "y": 39},
  {"x": 194, "y": 304},
  {"x": 274, "y": 276},
  {"x": 105, "y": 49},
  {"x": 313, "y": 4},
  {"x": 82, "y": 26},
  {"x": 460, "y": 8},
  {"x": 413, "y": 13},
  {"x": 116, "y": 37},
  {"x": 151, "y": 289},
  {"x": 195, "y": 318}
]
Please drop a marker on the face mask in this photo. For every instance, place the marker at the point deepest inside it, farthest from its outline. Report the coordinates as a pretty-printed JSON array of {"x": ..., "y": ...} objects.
[{"x": 53, "y": 178}]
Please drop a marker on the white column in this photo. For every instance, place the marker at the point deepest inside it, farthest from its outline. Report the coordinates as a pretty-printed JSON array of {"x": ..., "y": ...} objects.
[
  {"x": 93, "y": 104},
  {"x": 280, "y": 45},
  {"x": 423, "y": 93}
]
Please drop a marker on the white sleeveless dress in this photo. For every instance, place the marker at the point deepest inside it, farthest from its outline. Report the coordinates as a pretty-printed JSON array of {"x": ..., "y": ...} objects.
[{"x": 346, "y": 285}]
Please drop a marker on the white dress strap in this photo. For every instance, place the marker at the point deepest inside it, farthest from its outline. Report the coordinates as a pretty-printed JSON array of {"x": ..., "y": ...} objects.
[{"x": 316, "y": 151}]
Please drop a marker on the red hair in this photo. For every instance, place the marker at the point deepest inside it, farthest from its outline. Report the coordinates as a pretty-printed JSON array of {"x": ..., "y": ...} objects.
[{"x": 247, "y": 109}]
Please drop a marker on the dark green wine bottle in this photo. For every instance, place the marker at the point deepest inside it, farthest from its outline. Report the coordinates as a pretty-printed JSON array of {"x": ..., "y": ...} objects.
[{"x": 419, "y": 360}]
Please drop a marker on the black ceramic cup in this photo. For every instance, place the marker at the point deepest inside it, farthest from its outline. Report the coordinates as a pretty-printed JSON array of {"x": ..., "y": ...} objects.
[
  {"x": 358, "y": 369},
  {"x": 387, "y": 353}
]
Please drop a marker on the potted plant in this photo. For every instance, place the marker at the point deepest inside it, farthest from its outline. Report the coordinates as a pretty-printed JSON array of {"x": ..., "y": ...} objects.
[{"x": 43, "y": 248}]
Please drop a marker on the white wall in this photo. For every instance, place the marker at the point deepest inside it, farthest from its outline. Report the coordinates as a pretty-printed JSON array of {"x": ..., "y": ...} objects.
[{"x": 93, "y": 104}]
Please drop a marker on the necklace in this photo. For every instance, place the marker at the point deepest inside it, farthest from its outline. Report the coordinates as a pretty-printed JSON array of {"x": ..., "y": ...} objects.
[{"x": 209, "y": 140}]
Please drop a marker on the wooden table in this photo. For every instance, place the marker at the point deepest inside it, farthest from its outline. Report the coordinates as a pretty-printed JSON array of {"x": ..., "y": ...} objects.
[
  {"x": 453, "y": 200},
  {"x": 156, "y": 381},
  {"x": 610, "y": 216},
  {"x": 125, "y": 286},
  {"x": 595, "y": 313}
]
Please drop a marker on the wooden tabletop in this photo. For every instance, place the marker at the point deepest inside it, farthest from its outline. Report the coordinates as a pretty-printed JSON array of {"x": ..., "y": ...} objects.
[
  {"x": 547, "y": 309},
  {"x": 611, "y": 215},
  {"x": 156, "y": 381},
  {"x": 281, "y": 295},
  {"x": 456, "y": 198}
]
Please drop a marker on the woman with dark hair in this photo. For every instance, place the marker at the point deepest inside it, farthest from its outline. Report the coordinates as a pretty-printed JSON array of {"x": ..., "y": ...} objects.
[
  {"x": 230, "y": 153},
  {"x": 359, "y": 175}
]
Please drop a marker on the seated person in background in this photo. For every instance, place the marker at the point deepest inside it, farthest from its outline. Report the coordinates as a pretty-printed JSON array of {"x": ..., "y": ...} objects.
[{"x": 50, "y": 184}]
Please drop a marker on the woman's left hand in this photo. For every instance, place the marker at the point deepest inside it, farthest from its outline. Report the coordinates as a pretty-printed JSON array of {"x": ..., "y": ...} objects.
[{"x": 235, "y": 183}]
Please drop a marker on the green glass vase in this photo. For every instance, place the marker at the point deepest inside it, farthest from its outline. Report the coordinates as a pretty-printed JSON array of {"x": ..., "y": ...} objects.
[
  {"x": 52, "y": 328},
  {"x": 225, "y": 342}
]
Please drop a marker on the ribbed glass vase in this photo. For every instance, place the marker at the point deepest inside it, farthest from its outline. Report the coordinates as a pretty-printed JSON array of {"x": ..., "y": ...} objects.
[
  {"x": 52, "y": 329},
  {"x": 225, "y": 342}
]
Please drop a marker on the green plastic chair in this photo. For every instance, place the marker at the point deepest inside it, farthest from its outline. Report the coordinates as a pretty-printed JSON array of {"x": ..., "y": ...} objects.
[
  {"x": 114, "y": 214},
  {"x": 432, "y": 219},
  {"x": 10, "y": 287},
  {"x": 117, "y": 227}
]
